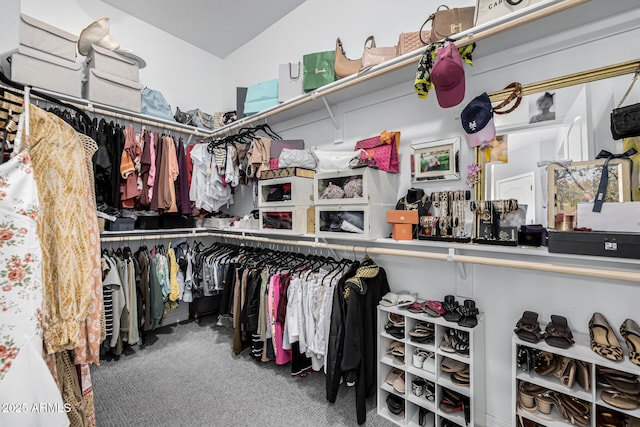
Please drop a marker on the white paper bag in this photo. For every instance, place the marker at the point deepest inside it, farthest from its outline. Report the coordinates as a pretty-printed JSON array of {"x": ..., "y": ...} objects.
[{"x": 289, "y": 81}]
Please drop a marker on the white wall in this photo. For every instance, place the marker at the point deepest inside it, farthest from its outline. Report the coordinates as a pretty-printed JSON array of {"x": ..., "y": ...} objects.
[
  {"x": 190, "y": 77},
  {"x": 501, "y": 293},
  {"x": 314, "y": 27},
  {"x": 187, "y": 76}
]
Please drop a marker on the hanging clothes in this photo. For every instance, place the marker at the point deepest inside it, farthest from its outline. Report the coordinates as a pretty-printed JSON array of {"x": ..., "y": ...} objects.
[
  {"x": 68, "y": 269},
  {"x": 353, "y": 335},
  {"x": 24, "y": 375}
]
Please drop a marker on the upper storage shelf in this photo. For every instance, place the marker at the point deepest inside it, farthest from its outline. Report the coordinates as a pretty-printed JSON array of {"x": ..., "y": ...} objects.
[{"x": 534, "y": 22}]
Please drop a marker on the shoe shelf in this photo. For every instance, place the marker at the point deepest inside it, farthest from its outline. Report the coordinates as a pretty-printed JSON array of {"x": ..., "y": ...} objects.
[
  {"x": 473, "y": 394},
  {"x": 580, "y": 350}
]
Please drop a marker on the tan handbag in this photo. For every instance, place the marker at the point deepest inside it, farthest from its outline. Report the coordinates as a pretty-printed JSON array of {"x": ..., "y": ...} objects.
[
  {"x": 344, "y": 66},
  {"x": 447, "y": 22},
  {"x": 374, "y": 55},
  {"x": 408, "y": 42}
]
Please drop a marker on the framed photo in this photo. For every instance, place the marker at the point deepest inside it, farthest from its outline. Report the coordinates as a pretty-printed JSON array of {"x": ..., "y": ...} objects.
[
  {"x": 435, "y": 159},
  {"x": 578, "y": 182}
]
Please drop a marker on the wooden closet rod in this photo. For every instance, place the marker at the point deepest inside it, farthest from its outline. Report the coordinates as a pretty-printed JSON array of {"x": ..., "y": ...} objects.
[{"x": 631, "y": 276}]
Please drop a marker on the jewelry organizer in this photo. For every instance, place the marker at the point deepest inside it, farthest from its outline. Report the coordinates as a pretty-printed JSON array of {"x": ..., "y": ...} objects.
[
  {"x": 496, "y": 222},
  {"x": 446, "y": 221}
]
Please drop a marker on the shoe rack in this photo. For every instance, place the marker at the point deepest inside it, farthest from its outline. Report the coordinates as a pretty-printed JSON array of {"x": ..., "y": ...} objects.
[
  {"x": 590, "y": 398},
  {"x": 446, "y": 384}
]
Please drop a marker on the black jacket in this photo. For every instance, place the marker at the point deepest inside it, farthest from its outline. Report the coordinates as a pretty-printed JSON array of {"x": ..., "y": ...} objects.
[{"x": 357, "y": 298}]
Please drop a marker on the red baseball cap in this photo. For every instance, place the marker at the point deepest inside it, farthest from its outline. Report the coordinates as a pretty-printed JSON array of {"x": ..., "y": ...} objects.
[{"x": 447, "y": 75}]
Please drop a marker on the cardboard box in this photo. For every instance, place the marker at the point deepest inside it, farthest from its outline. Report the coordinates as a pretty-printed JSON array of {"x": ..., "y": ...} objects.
[
  {"x": 36, "y": 68},
  {"x": 285, "y": 172},
  {"x": 47, "y": 38},
  {"x": 108, "y": 61},
  {"x": 109, "y": 89},
  {"x": 403, "y": 221},
  {"x": 596, "y": 243}
]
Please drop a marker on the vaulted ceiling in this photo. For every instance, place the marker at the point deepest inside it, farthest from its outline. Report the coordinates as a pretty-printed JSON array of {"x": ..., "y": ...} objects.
[{"x": 216, "y": 26}]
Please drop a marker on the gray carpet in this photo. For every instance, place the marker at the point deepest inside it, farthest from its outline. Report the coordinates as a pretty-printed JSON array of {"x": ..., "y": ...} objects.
[{"x": 186, "y": 375}]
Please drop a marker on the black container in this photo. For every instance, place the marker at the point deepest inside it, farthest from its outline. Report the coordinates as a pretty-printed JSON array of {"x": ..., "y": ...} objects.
[{"x": 597, "y": 243}]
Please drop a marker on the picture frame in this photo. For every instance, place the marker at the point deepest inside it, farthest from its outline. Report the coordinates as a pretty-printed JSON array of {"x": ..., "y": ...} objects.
[
  {"x": 577, "y": 182},
  {"x": 435, "y": 160}
]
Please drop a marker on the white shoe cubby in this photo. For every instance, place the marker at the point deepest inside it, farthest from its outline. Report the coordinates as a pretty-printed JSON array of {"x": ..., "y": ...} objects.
[
  {"x": 580, "y": 350},
  {"x": 433, "y": 373}
]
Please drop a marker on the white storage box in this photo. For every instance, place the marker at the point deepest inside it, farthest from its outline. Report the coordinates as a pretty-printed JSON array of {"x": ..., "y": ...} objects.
[
  {"x": 286, "y": 220},
  {"x": 376, "y": 186},
  {"x": 371, "y": 220},
  {"x": 35, "y": 68},
  {"x": 42, "y": 36},
  {"x": 300, "y": 192},
  {"x": 218, "y": 223},
  {"x": 106, "y": 60},
  {"x": 106, "y": 88}
]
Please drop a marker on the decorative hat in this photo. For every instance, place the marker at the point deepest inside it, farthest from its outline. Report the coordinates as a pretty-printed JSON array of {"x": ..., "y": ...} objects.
[
  {"x": 447, "y": 75},
  {"x": 96, "y": 33},
  {"x": 477, "y": 121}
]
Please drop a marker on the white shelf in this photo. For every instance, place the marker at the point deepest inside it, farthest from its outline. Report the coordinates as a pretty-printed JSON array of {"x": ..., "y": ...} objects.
[
  {"x": 475, "y": 392},
  {"x": 581, "y": 350},
  {"x": 493, "y": 37}
]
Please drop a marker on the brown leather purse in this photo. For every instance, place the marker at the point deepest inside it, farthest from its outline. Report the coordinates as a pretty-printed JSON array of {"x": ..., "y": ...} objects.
[
  {"x": 344, "y": 66},
  {"x": 446, "y": 22},
  {"x": 408, "y": 42}
]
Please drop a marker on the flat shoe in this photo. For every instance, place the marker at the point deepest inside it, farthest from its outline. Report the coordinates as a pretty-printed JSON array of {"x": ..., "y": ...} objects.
[
  {"x": 392, "y": 375},
  {"x": 434, "y": 308},
  {"x": 619, "y": 400},
  {"x": 631, "y": 334},
  {"x": 398, "y": 384},
  {"x": 451, "y": 365},
  {"x": 389, "y": 299},
  {"x": 603, "y": 340}
]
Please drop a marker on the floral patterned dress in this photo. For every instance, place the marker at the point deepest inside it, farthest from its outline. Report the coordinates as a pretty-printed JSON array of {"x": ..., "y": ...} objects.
[{"x": 25, "y": 380}]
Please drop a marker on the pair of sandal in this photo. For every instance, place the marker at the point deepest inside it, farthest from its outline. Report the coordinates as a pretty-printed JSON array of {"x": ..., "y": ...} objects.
[
  {"x": 459, "y": 371},
  {"x": 423, "y": 333},
  {"x": 395, "y": 404},
  {"x": 540, "y": 401},
  {"x": 566, "y": 369},
  {"x": 396, "y": 349},
  {"x": 455, "y": 341},
  {"x": 464, "y": 315},
  {"x": 619, "y": 389},
  {"x": 423, "y": 359},
  {"x": 395, "y": 325},
  {"x": 454, "y": 402},
  {"x": 557, "y": 332},
  {"x": 396, "y": 379}
]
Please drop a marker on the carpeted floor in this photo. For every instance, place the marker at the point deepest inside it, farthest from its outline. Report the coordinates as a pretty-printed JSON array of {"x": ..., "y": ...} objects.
[{"x": 186, "y": 375}]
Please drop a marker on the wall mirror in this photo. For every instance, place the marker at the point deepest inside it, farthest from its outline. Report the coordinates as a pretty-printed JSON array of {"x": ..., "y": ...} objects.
[{"x": 571, "y": 126}]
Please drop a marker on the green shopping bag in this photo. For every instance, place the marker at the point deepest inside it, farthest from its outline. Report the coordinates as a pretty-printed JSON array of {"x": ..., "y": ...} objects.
[{"x": 318, "y": 69}]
